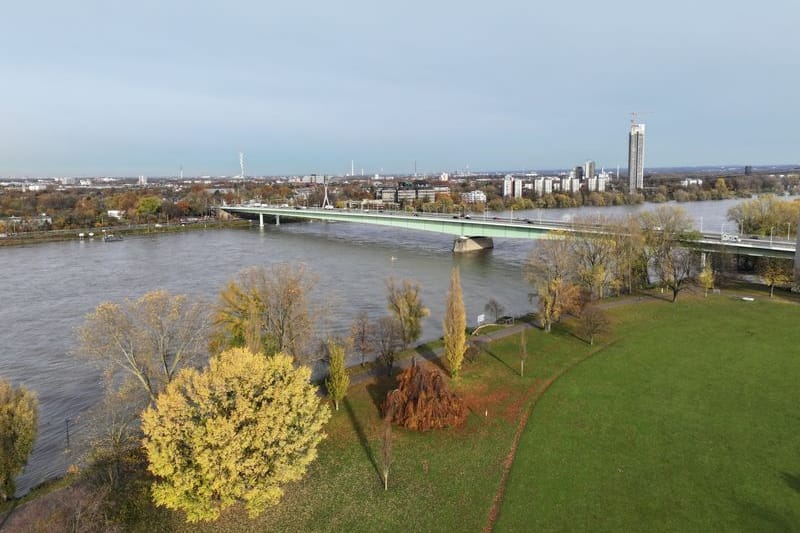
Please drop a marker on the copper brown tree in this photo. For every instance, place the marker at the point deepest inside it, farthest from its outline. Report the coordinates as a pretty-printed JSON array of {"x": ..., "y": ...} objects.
[{"x": 422, "y": 400}]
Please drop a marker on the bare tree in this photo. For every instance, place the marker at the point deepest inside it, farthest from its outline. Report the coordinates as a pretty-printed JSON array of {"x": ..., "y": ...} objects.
[
  {"x": 269, "y": 310},
  {"x": 550, "y": 269},
  {"x": 150, "y": 338},
  {"x": 386, "y": 443},
  {"x": 387, "y": 339},
  {"x": 405, "y": 304},
  {"x": 675, "y": 268},
  {"x": 361, "y": 335},
  {"x": 593, "y": 321},
  {"x": 495, "y": 308}
]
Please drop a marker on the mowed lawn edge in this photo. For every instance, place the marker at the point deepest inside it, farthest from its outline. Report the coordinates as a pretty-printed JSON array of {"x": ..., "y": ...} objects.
[{"x": 688, "y": 422}]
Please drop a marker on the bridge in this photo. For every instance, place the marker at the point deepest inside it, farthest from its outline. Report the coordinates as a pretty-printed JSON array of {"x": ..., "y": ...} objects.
[{"x": 476, "y": 232}]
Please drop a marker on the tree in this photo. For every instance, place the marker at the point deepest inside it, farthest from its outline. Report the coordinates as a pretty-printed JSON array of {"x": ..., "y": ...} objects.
[
  {"x": 338, "y": 379},
  {"x": 361, "y": 335},
  {"x": 523, "y": 351},
  {"x": 268, "y": 309},
  {"x": 675, "y": 268},
  {"x": 386, "y": 444},
  {"x": 775, "y": 272},
  {"x": 595, "y": 258},
  {"x": 235, "y": 432},
  {"x": 550, "y": 268},
  {"x": 666, "y": 229},
  {"x": 114, "y": 435},
  {"x": 19, "y": 416},
  {"x": 387, "y": 340},
  {"x": 148, "y": 206},
  {"x": 422, "y": 400},
  {"x": 593, "y": 321},
  {"x": 150, "y": 338},
  {"x": 406, "y": 306},
  {"x": 455, "y": 325},
  {"x": 706, "y": 278},
  {"x": 495, "y": 308}
]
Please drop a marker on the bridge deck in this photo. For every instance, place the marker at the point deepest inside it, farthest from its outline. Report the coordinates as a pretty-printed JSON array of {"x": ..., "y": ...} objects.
[{"x": 495, "y": 227}]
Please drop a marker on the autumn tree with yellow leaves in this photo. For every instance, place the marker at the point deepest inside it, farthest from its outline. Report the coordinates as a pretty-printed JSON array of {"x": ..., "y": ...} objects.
[
  {"x": 455, "y": 324},
  {"x": 233, "y": 433}
]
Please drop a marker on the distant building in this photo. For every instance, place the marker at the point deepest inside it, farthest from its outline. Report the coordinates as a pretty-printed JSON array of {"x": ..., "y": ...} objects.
[
  {"x": 588, "y": 169},
  {"x": 577, "y": 173},
  {"x": 512, "y": 186},
  {"x": 636, "y": 158},
  {"x": 596, "y": 184},
  {"x": 444, "y": 177},
  {"x": 408, "y": 191},
  {"x": 570, "y": 184},
  {"x": 473, "y": 197},
  {"x": 542, "y": 186},
  {"x": 748, "y": 170},
  {"x": 114, "y": 213},
  {"x": 142, "y": 180}
]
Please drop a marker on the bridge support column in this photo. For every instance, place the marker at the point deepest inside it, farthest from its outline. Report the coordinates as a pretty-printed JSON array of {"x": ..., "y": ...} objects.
[
  {"x": 472, "y": 244},
  {"x": 277, "y": 220},
  {"x": 703, "y": 257},
  {"x": 261, "y": 220}
]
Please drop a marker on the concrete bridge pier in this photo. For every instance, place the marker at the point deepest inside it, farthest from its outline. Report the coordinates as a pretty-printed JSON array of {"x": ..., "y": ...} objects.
[
  {"x": 471, "y": 244},
  {"x": 703, "y": 258},
  {"x": 277, "y": 220},
  {"x": 261, "y": 220}
]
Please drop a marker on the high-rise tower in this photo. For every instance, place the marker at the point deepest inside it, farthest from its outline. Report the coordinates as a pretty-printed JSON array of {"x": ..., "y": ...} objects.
[{"x": 636, "y": 157}]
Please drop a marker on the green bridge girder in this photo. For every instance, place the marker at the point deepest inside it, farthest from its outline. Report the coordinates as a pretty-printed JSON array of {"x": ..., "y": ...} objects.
[{"x": 498, "y": 228}]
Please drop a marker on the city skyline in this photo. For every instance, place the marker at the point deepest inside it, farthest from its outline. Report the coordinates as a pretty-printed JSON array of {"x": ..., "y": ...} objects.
[{"x": 147, "y": 88}]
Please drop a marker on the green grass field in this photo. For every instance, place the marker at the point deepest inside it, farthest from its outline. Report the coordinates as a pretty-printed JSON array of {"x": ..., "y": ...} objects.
[
  {"x": 684, "y": 418},
  {"x": 440, "y": 480},
  {"x": 687, "y": 422}
]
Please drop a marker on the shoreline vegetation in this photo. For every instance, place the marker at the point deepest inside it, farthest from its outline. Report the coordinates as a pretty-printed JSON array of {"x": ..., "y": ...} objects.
[
  {"x": 513, "y": 462},
  {"x": 35, "y": 237}
]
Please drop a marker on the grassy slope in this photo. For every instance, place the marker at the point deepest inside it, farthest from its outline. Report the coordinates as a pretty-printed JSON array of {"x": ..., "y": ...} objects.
[
  {"x": 688, "y": 423},
  {"x": 440, "y": 480}
]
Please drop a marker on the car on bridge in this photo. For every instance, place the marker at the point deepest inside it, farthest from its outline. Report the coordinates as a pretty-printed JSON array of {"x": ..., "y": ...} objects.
[{"x": 730, "y": 238}]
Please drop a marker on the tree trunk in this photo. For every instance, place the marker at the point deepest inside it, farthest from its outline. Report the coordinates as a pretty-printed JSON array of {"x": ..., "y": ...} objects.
[
  {"x": 522, "y": 368},
  {"x": 771, "y": 288},
  {"x": 385, "y": 480}
]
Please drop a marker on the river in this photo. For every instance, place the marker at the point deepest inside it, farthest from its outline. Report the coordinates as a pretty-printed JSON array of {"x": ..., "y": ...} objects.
[{"x": 48, "y": 289}]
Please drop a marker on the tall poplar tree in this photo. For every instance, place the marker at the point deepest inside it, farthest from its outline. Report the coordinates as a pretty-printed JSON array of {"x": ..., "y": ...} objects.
[
  {"x": 455, "y": 324},
  {"x": 338, "y": 380}
]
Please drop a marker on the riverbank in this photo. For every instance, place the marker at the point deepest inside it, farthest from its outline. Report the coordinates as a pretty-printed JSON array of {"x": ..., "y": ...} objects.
[
  {"x": 35, "y": 237},
  {"x": 664, "y": 357}
]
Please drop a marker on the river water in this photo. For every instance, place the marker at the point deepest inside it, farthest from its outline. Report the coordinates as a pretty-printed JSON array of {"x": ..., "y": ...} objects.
[{"x": 47, "y": 289}]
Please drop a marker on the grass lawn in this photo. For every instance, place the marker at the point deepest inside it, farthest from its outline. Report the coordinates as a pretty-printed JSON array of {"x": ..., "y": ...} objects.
[
  {"x": 439, "y": 481},
  {"x": 687, "y": 422}
]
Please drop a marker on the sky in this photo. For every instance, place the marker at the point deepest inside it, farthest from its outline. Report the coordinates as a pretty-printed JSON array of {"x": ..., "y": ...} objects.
[{"x": 124, "y": 88}]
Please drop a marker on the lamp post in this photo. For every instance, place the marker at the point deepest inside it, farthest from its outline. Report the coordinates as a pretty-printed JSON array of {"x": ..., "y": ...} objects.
[
  {"x": 788, "y": 226},
  {"x": 701, "y": 224},
  {"x": 770, "y": 235}
]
